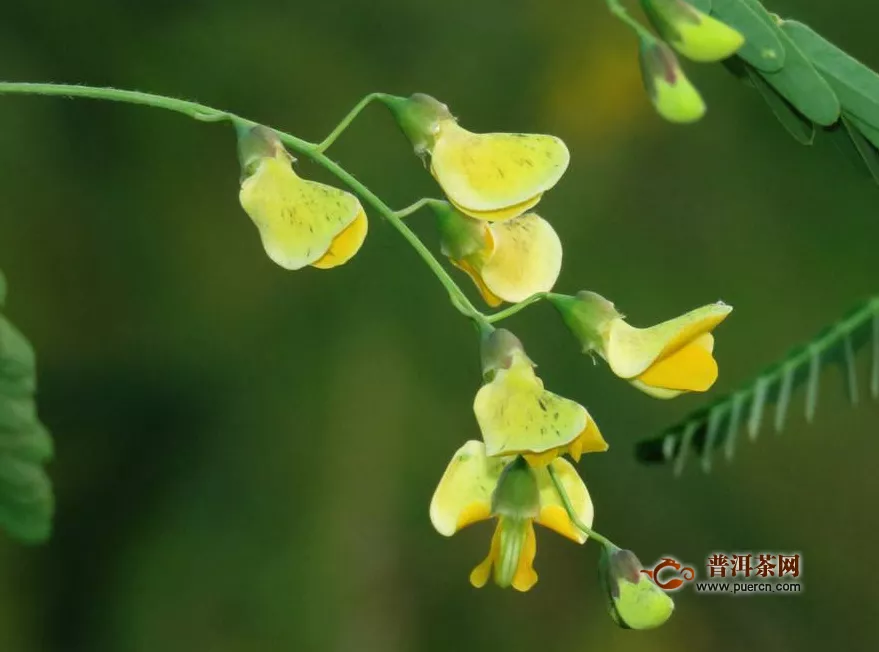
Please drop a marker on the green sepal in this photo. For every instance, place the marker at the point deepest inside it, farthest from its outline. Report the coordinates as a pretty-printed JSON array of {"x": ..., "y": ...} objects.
[
  {"x": 497, "y": 349},
  {"x": 418, "y": 117},
  {"x": 460, "y": 236},
  {"x": 586, "y": 315},
  {"x": 854, "y": 83},
  {"x": 763, "y": 47},
  {"x": 255, "y": 142},
  {"x": 797, "y": 125}
]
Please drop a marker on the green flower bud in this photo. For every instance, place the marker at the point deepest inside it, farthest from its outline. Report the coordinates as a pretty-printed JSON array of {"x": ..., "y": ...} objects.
[
  {"x": 460, "y": 236},
  {"x": 691, "y": 32},
  {"x": 419, "y": 117},
  {"x": 674, "y": 97},
  {"x": 634, "y": 601},
  {"x": 587, "y": 315}
]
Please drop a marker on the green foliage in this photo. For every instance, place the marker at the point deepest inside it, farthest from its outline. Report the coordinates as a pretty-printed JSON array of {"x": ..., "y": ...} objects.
[
  {"x": 26, "y": 502},
  {"x": 807, "y": 81},
  {"x": 718, "y": 424}
]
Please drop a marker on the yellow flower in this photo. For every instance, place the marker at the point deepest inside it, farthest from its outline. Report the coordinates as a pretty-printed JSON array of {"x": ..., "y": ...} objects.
[
  {"x": 664, "y": 360},
  {"x": 476, "y": 487},
  {"x": 691, "y": 32},
  {"x": 300, "y": 222},
  {"x": 494, "y": 176},
  {"x": 508, "y": 261},
  {"x": 672, "y": 94},
  {"x": 634, "y": 600},
  {"x": 517, "y": 416}
]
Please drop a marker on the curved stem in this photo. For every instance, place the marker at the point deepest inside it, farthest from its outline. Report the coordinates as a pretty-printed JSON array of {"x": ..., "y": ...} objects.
[
  {"x": 417, "y": 206},
  {"x": 347, "y": 120},
  {"x": 620, "y": 12},
  {"x": 310, "y": 150},
  {"x": 512, "y": 310},
  {"x": 572, "y": 514}
]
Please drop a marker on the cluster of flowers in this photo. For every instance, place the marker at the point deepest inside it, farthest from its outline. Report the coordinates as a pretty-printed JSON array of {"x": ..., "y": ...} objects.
[{"x": 517, "y": 473}]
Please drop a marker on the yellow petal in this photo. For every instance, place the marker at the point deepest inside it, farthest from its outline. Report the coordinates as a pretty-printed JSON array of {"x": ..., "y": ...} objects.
[
  {"x": 527, "y": 258},
  {"x": 552, "y": 511},
  {"x": 656, "y": 392},
  {"x": 479, "y": 575},
  {"x": 516, "y": 415},
  {"x": 469, "y": 266},
  {"x": 678, "y": 102},
  {"x": 463, "y": 495},
  {"x": 501, "y": 214},
  {"x": 630, "y": 351},
  {"x": 484, "y": 173},
  {"x": 525, "y": 576},
  {"x": 345, "y": 245},
  {"x": 588, "y": 441},
  {"x": 297, "y": 219},
  {"x": 690, "y": 368}
]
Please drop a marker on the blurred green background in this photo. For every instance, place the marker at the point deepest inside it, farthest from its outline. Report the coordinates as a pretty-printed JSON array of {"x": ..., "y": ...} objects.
[{"x": 245, "y": 455}]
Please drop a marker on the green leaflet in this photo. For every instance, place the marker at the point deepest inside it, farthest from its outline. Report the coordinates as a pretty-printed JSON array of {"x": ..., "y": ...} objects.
[
  {"x": 763, "y": 47},
  {"x": 869, "y": 132},
  {"x": 26, "y": 501},
  {"x": 718, "y": 424},
  {"x": 801, "y": 85},
  {"x": 856, "y": 85},
  {"x": 864, "y": 150},
  {"x": 795, "y": 124}
]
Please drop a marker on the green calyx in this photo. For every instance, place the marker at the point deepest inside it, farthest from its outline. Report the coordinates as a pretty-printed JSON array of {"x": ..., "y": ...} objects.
[
  {"x": 587, "y": 315},
  {"x": 658, "y": 61},
  {"x": 418, "y": 116},
  {"x": 497, "y": 349},
  {"x": 634, "y": 600},
  {"x": 460, "y": 236},
  {"x": 255, "y": 142}
]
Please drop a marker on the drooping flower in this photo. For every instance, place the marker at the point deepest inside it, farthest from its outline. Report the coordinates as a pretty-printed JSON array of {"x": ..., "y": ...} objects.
[
  {"x": 517, "y": 416},
  {"x": 509, "y": 260},
  {"x": 300, "y": 222},
  {"x": 672, "y": 94},
  {"x": 664, "y": 360},
  {"x": 476, "y": 487},
  {"x": 493, "y": 176},
  {"x": 634, "y": 600},
  {"x": 691, "y": 32}
]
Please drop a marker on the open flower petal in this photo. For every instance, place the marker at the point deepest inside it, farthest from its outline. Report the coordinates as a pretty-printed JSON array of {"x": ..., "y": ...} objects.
[
  {"x": 488, "y": 176},
  {"x": 690, "y": 368},
  {"x": 501, "y": 214},
  {"x": 517, "y": 416},
  {"x": 524, "y": 576},
  {"x": 631, "y": 351},
  {"x": 527, "y": 258},
  {"x": 345, "y": 245},
  {"x": 553, "y": 514},
  {"x": 463, "y": 495},
  {"x": 298, "y": 220}
]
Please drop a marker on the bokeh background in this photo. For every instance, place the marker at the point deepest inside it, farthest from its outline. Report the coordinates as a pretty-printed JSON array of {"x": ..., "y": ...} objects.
[{"x": 245, "y": 455}]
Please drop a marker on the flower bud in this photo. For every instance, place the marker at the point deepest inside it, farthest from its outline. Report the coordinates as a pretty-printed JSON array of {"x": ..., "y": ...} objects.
[
  {"x": 674, "y": 97},
  {"x": 634, "y": 601},
  {"x": 694, "y": 34},
  {"x": 587, "y": 315},
  {"x": 418, "y": 116}
]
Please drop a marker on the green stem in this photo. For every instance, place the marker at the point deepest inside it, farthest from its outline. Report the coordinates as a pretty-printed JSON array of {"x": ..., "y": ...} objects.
[
  {"x": 512, "y": 310},
  {"x": 310, "y": 150},
  {"x": 417, "y": 206},
  {"x": 347, "y": 120},
  {"x": 620, "y": 12},
  {"x": 572, "y": 514}
]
